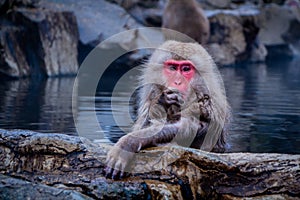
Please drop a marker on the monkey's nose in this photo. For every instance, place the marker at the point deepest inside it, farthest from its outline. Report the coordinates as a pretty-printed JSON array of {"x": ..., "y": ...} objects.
[{"x": 177, "y": 82}]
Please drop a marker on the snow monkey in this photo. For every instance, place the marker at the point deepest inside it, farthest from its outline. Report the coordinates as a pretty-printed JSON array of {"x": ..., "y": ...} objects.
[
  {"x": 182, "y": 101},
  {"x": 186, "y": 16}
]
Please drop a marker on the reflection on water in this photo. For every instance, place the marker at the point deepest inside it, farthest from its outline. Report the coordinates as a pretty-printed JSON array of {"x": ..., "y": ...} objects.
[
  {"x": 42, "y": 105},
  {"x": 265, "y": 100},
  {"x": 266, "y": 106}
]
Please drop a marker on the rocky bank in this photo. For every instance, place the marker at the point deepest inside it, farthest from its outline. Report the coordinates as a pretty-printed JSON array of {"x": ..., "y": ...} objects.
[
  {"x": 50, "y": 37},
  {"x": 37, "y": 41},
  {"x": 57, "y": 166}
]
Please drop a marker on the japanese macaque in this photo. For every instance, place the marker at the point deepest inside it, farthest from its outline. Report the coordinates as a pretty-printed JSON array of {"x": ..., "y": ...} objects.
[
  {"x": 182, "y": 101},
  {"x": 186, "y": 16}
]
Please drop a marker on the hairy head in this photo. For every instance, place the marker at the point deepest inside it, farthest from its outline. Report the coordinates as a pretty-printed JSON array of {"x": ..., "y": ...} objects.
[{"x": 205, "y": 81}]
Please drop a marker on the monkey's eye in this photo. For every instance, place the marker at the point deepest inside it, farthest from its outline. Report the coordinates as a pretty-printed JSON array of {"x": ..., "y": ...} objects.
[
  {"x": 186, "y": 68},
  {"x": 172, "y": 67}
]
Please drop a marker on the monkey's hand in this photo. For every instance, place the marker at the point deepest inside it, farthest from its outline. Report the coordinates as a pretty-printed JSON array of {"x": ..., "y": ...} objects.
[
  {"x": 205, "y": 107},
  {"x": 171, "y": 97},
  {"x": 117, "y": 163},
  {"x": 172, "y": 101},
  {"x": 119, "y": 158}
]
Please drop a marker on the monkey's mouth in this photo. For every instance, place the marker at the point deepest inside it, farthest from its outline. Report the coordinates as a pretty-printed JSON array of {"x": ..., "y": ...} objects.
[
  {"x": 182, "y": 94},
  {"x": 180, "y": 89}
]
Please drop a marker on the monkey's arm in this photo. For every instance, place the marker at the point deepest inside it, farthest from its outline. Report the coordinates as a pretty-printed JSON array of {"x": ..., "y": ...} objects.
[
  {"x": 121, "y": 154},
  {"x": 119, "y": 157},
  {"x": 151, "y": 136},
  {"x": 167, "y": 108}
]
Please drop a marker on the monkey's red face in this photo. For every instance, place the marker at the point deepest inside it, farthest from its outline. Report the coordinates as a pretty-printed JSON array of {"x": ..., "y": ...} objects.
[{"x": 179, "y": 73}]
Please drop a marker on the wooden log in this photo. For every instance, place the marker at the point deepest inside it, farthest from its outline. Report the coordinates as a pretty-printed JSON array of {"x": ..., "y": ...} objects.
[{"x": 63, "y": 165}]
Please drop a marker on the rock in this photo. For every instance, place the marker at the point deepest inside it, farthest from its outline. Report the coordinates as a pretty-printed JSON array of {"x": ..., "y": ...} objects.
[
  {"x": 35, "y": 32},
  {"x": 97, "y": 20},
  {"x": 68, "y": 163},
  {"x": 13, "y": 61},
  {"x": 258, "y": 53},
  {"x": 95, "y": 23},
  {"x": 13, "y": 188},
  {"x": 148, "y": 13},
  {"x": 234, "y": 35},
  {"x": 233, "y": 32},
  {"x": 37, "y": 42},
  {"x": 279, "y": 27},
  {"x": 72, "y": 167},
  {"x": 6, "y": 5},
  {"x": 219, "y": 4},
  {"x": 292, "y": 37},
  {"x": 253, "y": 33},
  {"x": 220, "y": 54},
  {"x": 274, "y": 22},
  {"x": 55, "y": 34},
  {"x": 248, "y": 31}
]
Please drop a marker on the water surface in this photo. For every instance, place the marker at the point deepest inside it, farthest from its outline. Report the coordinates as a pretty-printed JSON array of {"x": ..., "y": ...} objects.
[{"x": 265, "y": 101}]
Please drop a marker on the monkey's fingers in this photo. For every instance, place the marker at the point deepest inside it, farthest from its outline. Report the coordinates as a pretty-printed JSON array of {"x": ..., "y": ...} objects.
[
  {"x": 111, "y": 172},
  {"x": 174, "y": 98},
  {"x": 115, "y": 166},
  {"x": 108, "y": 171},
  {"x": 109, "y": 167},
  {"x": 119, "y": 170},
  {"x": 116, "y": 172}
]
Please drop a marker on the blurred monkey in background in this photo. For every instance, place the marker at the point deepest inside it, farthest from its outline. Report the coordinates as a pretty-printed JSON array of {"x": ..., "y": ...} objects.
[{"x": 187, "y": 16}]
